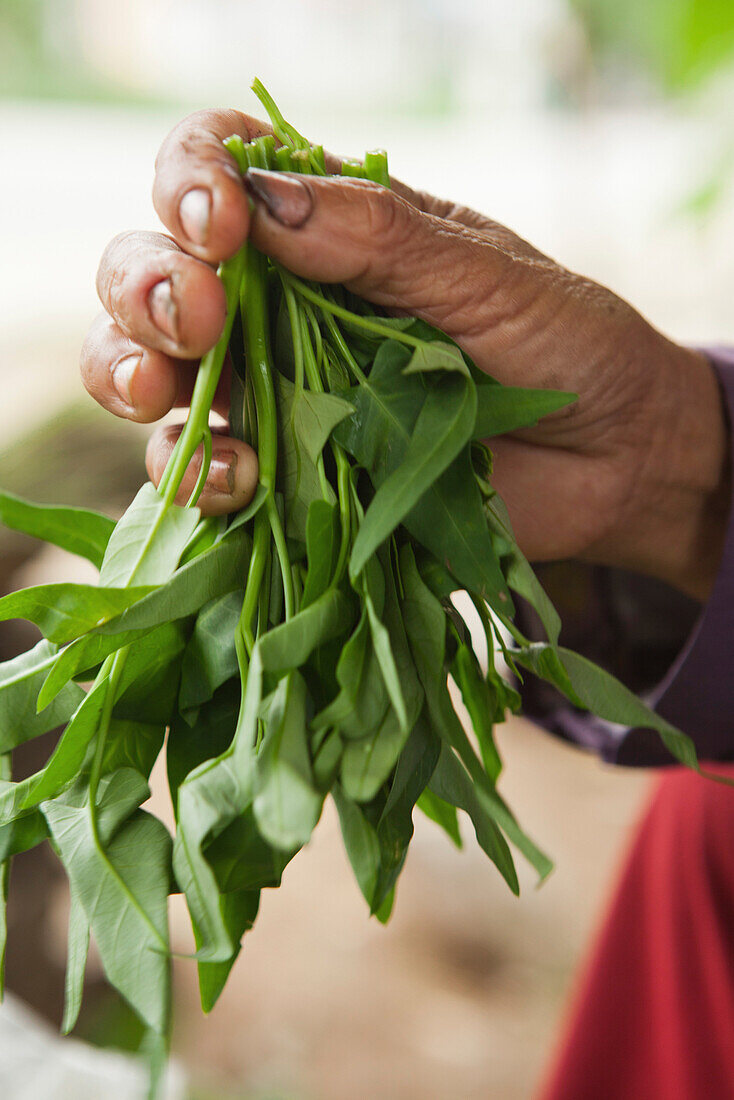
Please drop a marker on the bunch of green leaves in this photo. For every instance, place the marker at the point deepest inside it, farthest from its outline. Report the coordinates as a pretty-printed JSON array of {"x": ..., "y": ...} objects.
[{"x": 299, "y": 651}]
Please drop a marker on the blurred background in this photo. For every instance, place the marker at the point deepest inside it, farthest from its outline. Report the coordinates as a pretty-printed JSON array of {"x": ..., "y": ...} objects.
[{"x": 599, "y": 129}]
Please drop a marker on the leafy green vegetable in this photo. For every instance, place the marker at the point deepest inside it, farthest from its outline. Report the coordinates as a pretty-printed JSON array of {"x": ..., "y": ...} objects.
[{"x": 297, "y": 651}]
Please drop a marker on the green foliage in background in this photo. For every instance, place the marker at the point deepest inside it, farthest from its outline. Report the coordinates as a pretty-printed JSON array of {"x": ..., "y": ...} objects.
[
  {"x": 40, "y": 57},
  {"x": 681, "y": 41}
]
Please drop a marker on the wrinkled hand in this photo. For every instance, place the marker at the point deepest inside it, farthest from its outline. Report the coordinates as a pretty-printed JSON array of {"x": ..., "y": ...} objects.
[{"x": 631, "y": 475}]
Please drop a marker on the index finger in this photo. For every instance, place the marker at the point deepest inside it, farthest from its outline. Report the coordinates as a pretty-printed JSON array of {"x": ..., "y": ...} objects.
[{"x": 198, "y": 191}]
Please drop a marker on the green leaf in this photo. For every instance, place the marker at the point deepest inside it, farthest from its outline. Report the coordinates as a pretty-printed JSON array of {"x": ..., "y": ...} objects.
[
  {"x": 20, "y": 682},
  {"x": 287, "y": 804},
  {"x": 148, "y": 541},
  {"x": 502, "y": 409},
  {"x": 442, "y": 428},
  {"x": 449, "y": 518},
  {"x": 143, "y": 675},
  {"x": 442, "y": 813},
  {"x": 212, "y": 574},
  {"x": 437, "y": 355},
  {"x": 327, "y": 759},
  {"x": 386, "y": 660},
  {"x": 449, "y": 521},
  {"x": 386, "y": 407},
  {"x": 480, "y": 704},
  {"x": 414, "y": 769},
  {"x": 322, "y": 549},
  {"x": 210, "y": 658},
  {"x": 368, "y": 761},
  {"x": 452, "y": 784},
  {"x": 239, "y": 912},
  {"x": 425, "y": 627},
  {"x": 74, "y": 529},
  {"x": 64, "y": 611},
  {"x": 150, "y": 683},
  {"x": 122, "y": 887},
  {"x": 68, "y": 756},
  {"x": 298, "y": 477},
  {"x": 290, "y": 644},
  {"x": 599, "y": 692},
  {"x": 76, "y": 963},
  {"x": 135, "y": 745},
  {"x": 208, "y": 530},
  {"x": 248, "y": 513},
  {"x": 316, "y": 415},
  {"x": 242, "y": 860},
  {"x": 362, "y": 701},
  {"x": 208, "y": 736},
  {"x": 519, "y": 573},
  {"x": 5, "y": 777},
  {"x": 209, "y": 799},
  {"x": 360, "y": 842},
  {"x": 21, "y": 835}
]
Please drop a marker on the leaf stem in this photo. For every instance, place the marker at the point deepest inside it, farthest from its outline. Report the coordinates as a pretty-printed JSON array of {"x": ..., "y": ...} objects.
[
  {"x": 372, "y": 324},
  {"x": 207, "y": 379}
]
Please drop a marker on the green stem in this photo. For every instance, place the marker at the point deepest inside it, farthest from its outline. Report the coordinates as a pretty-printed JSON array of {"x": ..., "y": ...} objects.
[
  {"x": 282, "y": 129},
  {"x": 371, "y": 324},
  {"x": 207, "y": 379},
  {"x": 267, "y": 521},
  {"x": 112, "y": 671},
  {"x": 343, "y": 349}
]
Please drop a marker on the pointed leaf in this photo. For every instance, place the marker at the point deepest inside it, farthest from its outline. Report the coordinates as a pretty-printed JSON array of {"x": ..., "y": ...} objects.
[
  {"x": 599, "y": 692},
  {"x": 437, "y": 355},
  {"x": 210, "y": 658},
  {"x": 316, "y": 416},
  {"x": 20, "y": 682},
  {"x": 123, "y": 890},
  {"x": 502, "y": 409},
  {"x": 452, "y": 784},
  {"x": 322, "y": 549},
  {"x": 76, "y": 963},
  {"x": 77, "y": 530},
  {"x": 287, "y": 805},
  {"x": 65, "y": 611},
  {"x": 212, "y": 574},
  {"x": 443, "y": 427},
  {"x": 442, "y": 813},
  {"x": 148, "y": 541}
]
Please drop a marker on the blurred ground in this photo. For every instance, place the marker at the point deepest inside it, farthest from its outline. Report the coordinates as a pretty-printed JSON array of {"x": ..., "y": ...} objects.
[{"x": 460, "y": 996}]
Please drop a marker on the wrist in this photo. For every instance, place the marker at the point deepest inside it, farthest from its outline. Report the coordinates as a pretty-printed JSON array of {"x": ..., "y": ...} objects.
[{"x": 675, "y": 521}]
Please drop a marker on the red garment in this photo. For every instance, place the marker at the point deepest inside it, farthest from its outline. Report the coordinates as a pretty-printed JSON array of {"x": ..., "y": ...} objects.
[{"x": 653, "y": 1018}]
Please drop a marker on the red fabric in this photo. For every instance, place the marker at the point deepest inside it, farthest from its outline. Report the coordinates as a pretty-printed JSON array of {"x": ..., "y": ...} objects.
[{"x": 654, "y": 1016}]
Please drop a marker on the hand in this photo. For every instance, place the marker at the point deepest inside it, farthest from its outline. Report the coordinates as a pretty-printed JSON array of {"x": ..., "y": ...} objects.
[{"x": 631, "y": 475}]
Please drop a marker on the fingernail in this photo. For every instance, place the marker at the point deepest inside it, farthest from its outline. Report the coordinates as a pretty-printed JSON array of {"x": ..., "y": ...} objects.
[
  {"x": 222, "y": 473},
  {"x": 163, "y": 309},
  {"x": 194, "y": 212},
  {"x": 122, "y": 376},
  {"x": 287, "y": 198}
]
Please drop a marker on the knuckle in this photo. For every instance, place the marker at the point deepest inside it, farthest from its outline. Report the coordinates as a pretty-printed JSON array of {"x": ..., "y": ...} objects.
[
  {"x": 387, "y": 216},
  {"x": 111, "y": 264}
]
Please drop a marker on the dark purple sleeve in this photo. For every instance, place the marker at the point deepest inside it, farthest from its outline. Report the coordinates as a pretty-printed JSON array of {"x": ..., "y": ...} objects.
[{"x": 676, "y": 654}]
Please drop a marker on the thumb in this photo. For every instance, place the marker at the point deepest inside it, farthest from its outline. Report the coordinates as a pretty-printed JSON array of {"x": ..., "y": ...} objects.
[{"x": 352, "y": 231}]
